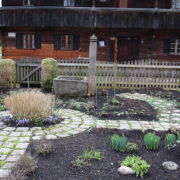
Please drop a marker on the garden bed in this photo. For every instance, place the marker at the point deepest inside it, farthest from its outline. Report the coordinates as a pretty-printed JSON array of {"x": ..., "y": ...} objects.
[
  {"x": 57, "y": 164},
  {"x": 124, "y": 109}
]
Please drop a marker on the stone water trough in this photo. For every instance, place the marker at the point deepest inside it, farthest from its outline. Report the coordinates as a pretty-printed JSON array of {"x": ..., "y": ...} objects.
[{"x": 65, "y": 86}]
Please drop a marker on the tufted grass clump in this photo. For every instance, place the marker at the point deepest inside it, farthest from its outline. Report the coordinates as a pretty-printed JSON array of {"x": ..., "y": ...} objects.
[
  {"x": 32, "y": 106},
  {"x": 42, "y": 146},
  {"x": 139, "y": 166},
  {"x": 48, "y": 73},
  {"x": 151, "y": 141},
  {"x": 169, "y": 139},
  {"x": 119, "y": 143}
]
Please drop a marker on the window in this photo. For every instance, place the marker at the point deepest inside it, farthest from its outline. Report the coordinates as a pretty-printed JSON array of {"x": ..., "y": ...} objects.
[
  {"x": 102, "y": 43},
  {"x": 66, "y": 42},
  {"x": 68, "y": 2},
  {"x": 28, "y": 2},
  {"x": 103, "y": 0},
  {"x": 28, "y": 41},
  {"x": 175, "y": 46},
  {"x": 175, "y": 3}
]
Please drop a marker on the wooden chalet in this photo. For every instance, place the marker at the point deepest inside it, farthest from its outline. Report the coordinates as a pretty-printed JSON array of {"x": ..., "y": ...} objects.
[{"x": 126, "y": 29}]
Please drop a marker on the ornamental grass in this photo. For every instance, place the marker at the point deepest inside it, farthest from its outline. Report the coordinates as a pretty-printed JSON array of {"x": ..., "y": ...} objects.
[{"x": 32, "y": 106}]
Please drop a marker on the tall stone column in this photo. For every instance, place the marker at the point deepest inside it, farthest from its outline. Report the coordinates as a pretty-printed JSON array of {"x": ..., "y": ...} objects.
[{"x": 92, "y": 65}]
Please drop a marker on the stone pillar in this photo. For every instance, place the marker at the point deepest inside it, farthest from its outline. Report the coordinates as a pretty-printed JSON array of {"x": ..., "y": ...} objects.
[{"x": 92, "y": 65}]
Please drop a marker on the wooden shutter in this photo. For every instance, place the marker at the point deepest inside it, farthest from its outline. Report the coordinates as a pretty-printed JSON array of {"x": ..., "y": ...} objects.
[
  {"x": 78, "y": 3},
  {"x": 167, "y": 44},
  {"x": 76, "y": 42},
  {"x": 37, "y": 41},
  {"x": 37, "y": 2},
  {"x": 57, "y": 42},
  {"x": 168, "y": 4},
  {"x": 19, "y": 2},
  {"x": 19, "y": 41}
]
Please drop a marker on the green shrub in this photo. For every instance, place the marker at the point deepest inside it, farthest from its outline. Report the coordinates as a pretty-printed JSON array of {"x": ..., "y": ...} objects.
[
  {"x": 118, "y": 143},
  {"x": 7, "y": 67},
  {"x": 48, "y": 73},
  {"x": 131, "y": 147},
  {"x": 151, "y": 141},
  {"x": 140, "y": 167},
  {"x": 169, "y": 139}
]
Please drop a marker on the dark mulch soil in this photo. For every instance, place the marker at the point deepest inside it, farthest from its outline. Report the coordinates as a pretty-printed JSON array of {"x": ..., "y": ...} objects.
[
  {"x": 137, "y": 110},
  {"x": 57, "y": 164}
]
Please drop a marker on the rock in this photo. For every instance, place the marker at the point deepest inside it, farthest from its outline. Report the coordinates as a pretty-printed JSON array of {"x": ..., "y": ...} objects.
[
  {"x": 170, "y": 165},
  {"x": 125, "y": 170}
]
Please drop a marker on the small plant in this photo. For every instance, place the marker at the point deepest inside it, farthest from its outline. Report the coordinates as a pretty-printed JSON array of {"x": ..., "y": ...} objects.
[
  {"x": 54, "y": 119},
  {"x": 115, "y": 101},
  {"x": 119, "y": 143},
  {"x": 169, "y": 139},
  {"x": 2, "y": 108},
  {"x": 151, "y": 141},
  {"x": 131, "y": 147},
  {"x": 86, "y": 157},
  {"x": 92, "y": 154},
  {"x": 42, "y": 146},
  {"x": 89, "y": 105},
  {"x": 140, "y": 167},
  {"x": 22, "y": 122}
]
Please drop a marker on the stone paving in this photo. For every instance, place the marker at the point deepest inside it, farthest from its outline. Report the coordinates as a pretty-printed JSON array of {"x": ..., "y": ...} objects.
[{"x": 14, "y": 141}]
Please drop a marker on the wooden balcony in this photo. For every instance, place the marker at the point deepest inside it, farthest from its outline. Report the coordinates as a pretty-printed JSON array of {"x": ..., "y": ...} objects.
[{"x": 89, "y": 17}]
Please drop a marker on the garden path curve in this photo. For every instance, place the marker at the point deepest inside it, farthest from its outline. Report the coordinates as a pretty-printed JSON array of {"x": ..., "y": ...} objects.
[{"x": 14, "y": 141}]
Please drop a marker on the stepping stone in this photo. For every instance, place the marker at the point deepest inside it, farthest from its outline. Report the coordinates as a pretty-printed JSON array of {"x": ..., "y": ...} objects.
[
  {"x": 5, "y": 132},
  {"x": 2, "y": 157},
  {"x": 18, "y": 152},
  {"x": 4, "y": 173},
  {"x": 163, "y": 119},
  {"x": 15, "y": 134},
  {"x": 22, "y": 129},
  {"x": 35, "y": 128},
  {"x": 51, "y": 137},
  {"x": 62, "y": 135},
  {"x": 165, "y": 115},
  {"x": 7, "y": 144},
  {"x": 12, "y": 139},
  {"x": 73, "y": 132},
  {"x": 73, "y": 125},
  {"x": 12, "y": 158},
  {"x": 24, "y": 139},
  {"x": 8, "y": 165},
  {"x": 29, "y": 133},
  {"x": 175, "y": 119},
  {"x": 84, "y": 126},
  {"x": 36, "y": 137},
  {"x": 22, "y": 145},
  {"x": 175, "y": 114},
  {"x": 9, "y": 129},
  {"x": 176, "y": 110},
  {"x": 2, "y": 137},
  {"x": 39, "y": 133},
  {"x": 5, "y": 150}
]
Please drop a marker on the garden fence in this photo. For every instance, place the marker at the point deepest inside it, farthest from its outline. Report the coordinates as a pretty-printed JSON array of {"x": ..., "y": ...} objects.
[{"x": 141, "y": 73}]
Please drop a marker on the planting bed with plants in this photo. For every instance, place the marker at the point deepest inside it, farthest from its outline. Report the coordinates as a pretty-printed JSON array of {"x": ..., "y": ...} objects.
[
  {"x": 109, "y": 106},
  {"x": 99, "y": 153}
]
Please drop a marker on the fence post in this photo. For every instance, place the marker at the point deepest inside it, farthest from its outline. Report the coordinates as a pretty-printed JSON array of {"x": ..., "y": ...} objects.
[
  {"x": 14, "y": 74},
  {"x": 92, "y": 65},
  {"x": 115, "y": 74}
]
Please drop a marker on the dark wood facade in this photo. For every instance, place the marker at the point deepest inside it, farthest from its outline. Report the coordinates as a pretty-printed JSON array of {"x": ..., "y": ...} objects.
[{"x": 139, "y": 31}]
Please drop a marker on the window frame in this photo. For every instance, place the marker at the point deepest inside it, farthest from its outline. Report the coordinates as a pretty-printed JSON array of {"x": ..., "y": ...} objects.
[
  {"x": 28, "y": 41},
  {"x": 177, "y": 4},
  {"x": 66, "y": 42},
  {"x": 176, "y": 47},
  {"x": 68, "y": 3},
  {"x": 29, "y": 2}
]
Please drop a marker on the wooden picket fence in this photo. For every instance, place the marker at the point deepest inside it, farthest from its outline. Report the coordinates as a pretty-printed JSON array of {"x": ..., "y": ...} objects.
[{"x": 142, "y": 73}]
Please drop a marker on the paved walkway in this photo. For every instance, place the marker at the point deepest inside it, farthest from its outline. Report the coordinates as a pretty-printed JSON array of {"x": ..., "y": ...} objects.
[{"x": 14, "y": 141}]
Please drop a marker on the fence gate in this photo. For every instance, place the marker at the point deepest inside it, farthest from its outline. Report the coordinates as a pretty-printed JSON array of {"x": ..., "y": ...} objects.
[{"x": 31, "y": 70}]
